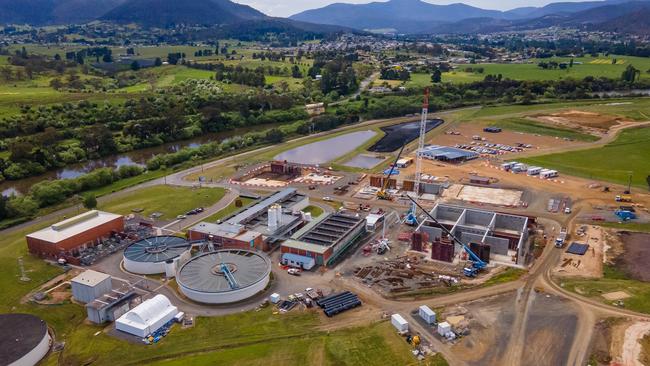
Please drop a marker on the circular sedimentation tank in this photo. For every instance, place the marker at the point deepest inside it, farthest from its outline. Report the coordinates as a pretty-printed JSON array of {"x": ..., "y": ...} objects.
[
  {"x": 25, "y": 339},
  {"x": 150, "y": 255},
  {"x": 224, "y": 276}
]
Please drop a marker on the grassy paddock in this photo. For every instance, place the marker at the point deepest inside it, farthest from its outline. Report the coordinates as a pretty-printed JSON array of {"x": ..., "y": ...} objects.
[
  {"x": 532, "y": 127},
  {"x": 612, "y": 162},
  {"x": 159, "y": 199}
]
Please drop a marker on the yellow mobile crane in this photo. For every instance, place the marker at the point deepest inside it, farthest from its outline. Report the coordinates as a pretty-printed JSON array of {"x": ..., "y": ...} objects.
[{"x": 383, "y": 193}]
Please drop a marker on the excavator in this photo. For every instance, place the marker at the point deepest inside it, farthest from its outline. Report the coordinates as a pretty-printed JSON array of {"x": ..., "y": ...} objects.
[{"x": 383, "y": 192}]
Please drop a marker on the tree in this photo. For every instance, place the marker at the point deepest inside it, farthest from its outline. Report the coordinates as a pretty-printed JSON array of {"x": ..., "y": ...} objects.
[
  {"x": 274, "y": 136},
  {"x": 90, "y": 201},
  {"x": 295, "y": 72},
  {"x": 158, "y": 62},
  {"x": 436, "y": 77},
  {"x": 630, "y": 74},
  {"x": 647, "y": 179},
  {"x": 135, "y": 66}
]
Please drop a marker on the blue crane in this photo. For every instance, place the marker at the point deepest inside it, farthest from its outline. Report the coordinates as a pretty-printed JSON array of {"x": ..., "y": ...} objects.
[{"x": 477, "y": 263}]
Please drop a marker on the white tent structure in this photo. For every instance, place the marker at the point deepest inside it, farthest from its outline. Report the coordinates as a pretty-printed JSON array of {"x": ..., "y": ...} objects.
[{"x": 147, "y": 317}]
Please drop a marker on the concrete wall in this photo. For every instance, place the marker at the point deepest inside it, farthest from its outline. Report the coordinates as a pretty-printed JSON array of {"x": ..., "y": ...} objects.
[
  {"x": 433, "y": 232},
  {"x": 509, "y": 222},
  {"x": 478, "y": 217}
]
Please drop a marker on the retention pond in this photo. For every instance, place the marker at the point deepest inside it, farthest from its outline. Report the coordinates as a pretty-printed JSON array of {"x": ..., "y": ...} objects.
[
  {"x": 321, "y": 152},
  {"x": 398, "y": 135}
]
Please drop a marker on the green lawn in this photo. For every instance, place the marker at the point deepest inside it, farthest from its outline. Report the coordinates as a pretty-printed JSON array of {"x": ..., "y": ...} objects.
[
  {"x": 315, "y": 211},
  {"x": 169, "y": 200},
  {"x": 532, "y": 127},
  {"x": 630, "y": 152},
  {"x": 229, "y": 210}
]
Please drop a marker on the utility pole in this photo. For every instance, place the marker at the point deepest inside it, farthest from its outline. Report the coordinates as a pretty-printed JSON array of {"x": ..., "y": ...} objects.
[{"x": 629, "y": 182}]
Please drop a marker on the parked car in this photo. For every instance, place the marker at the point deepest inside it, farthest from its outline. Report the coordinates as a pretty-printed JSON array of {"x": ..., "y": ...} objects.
[
  {"x": 328, "y": 199},
  {"x": 180, "y": 217}
]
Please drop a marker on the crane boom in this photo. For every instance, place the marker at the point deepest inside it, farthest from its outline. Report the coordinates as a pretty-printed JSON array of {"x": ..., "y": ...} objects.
[
  {"x": 478, "y": 262},
  {"x": 421, "y": 138}
]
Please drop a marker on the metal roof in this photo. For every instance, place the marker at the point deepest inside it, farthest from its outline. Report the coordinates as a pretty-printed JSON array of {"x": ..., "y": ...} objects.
[
  {"x": 73, "y": 226},
  {"x": 261, "y": 206},
  {"x": 90, "y": 278},
  {"x": 203, "y": 273},
  {"x": 301, "y": 245},
  {"x": 447, "y": 152},
  {"x": 156, "y": 249}
]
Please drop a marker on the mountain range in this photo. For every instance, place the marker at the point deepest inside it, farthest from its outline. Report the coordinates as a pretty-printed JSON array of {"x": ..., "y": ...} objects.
[
  {"x": 402, "y": 16},
  {"x": 417, "y": 16}
]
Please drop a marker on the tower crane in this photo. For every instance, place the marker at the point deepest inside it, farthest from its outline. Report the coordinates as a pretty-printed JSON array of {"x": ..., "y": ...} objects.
[{"x": 411, "y": 217}]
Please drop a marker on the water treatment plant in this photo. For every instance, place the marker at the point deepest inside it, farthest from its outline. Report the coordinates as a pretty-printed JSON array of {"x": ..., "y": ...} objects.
[{"x": 224, "y": 276}]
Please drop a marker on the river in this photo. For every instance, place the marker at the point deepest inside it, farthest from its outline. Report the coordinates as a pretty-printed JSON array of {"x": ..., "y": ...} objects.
[{"x": 135, "y": 157}]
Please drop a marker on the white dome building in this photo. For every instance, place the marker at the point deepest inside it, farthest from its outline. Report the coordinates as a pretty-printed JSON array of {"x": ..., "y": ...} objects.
[{"x": 147, "y": 317}]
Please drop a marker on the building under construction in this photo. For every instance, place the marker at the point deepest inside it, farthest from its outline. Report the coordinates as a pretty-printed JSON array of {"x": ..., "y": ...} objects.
[{"x": 490, "y": 235}]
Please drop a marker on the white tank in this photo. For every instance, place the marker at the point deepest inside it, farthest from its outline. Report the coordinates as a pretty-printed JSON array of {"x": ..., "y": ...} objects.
[{"x": 275, "y": 217}]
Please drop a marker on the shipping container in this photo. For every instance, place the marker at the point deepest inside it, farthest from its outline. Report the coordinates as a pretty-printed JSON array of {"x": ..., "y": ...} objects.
[
  {"x": 427, "y": 314},
  {"x": 399, "y": 323}
]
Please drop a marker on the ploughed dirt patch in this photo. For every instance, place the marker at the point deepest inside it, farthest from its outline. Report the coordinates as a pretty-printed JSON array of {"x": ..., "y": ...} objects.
[
  {"x": 636, "y": 253},
  {"x": 582, "y": 119}
]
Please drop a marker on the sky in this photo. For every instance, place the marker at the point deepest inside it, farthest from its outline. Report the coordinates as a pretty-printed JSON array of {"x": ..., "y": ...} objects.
[{"x": 284, "y": 8}]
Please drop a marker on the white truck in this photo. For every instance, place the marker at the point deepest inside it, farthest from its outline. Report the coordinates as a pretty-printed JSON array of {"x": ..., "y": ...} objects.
[{"x": 561, "y": 238}]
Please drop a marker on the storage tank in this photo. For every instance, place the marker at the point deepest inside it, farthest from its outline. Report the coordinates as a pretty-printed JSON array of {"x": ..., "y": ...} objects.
[
  {"x": 26, "y": 339},
  {"x": 275, "y": 217}
]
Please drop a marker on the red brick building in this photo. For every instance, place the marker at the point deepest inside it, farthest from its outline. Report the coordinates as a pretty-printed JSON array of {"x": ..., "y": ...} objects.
[{"x": 68, "y": 237}]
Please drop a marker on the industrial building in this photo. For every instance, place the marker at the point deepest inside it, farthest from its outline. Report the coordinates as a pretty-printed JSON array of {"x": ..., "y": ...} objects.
[
  {"x": 259, "y": 225},
  {"x": 90, "y": 285},
  {"x": 323, "y": 241},
  {"x": 501, "y": 237},
  {"x": 25, "y": 339},
  {"x": 447, "y": 154},
  {"x": 224, "y": 276},
  {"x": 67, "y": 238},
  {"x": 111, "y": 305},
  {"x": 156, "y": 254},
  {"x": 147, "y": 317}
]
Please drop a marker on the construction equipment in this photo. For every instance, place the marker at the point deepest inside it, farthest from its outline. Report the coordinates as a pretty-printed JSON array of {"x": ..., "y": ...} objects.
[
  {"x": 625, "y": 215},
  {"x": 561, "y": 238},
  {"x": 383, "y": 193},
  {"x": 477, "y": 264},
  {"x": 623, "y": 198},
  {"x": 411, "y": 218}
]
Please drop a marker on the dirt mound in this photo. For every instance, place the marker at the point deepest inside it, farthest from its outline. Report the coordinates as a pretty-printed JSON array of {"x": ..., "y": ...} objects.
[
  {"x": 582, "y": 119},
  {"x": 634, "y": 260}
]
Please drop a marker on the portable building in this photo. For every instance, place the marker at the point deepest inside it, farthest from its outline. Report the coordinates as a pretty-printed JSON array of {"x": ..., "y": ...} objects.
[
  {"x": 443, "y": 328},
  {"x": 548, "y": 173},
  {"x": 533, "y": 170},
  {"x": 508, "y": 165},
  {"x": 519, "y": 167},
  {"x": 399, "y": 323},
  {"x": 275, "y": 298},
  {"x": 427, "y": 314}
]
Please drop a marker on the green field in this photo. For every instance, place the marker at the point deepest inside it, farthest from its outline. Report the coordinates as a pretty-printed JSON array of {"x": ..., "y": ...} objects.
[
  {"x": 590, "y": 66},
  {"x": 630, "y": 152},
  {"x": 532, "y": 127},
  {"x": 229, "y": 210},
  {"x": 613, "y": 280},
  {"x": 160, "y": 199}
]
